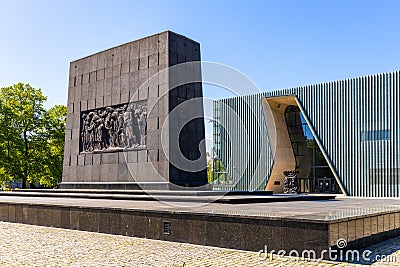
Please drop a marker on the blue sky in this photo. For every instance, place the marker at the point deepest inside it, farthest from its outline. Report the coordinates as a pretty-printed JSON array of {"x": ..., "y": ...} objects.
[{"x": 278, "y": 44}]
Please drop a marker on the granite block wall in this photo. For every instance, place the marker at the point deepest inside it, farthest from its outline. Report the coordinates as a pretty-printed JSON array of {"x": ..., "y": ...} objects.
[
  {"x": 116, "y": 78},
  {"x": 229, "y": 231}
]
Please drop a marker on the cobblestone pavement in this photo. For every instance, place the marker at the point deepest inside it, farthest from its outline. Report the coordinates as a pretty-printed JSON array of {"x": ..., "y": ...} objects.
[{"x": 27, "y": 245}]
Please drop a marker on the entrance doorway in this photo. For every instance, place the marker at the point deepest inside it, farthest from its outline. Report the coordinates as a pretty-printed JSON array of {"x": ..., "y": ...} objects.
[{"x": 315, "y": 175}]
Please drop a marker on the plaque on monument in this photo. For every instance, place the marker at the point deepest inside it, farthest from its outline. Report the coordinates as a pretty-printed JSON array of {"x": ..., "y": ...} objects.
[{"x": 114, "y": 128}]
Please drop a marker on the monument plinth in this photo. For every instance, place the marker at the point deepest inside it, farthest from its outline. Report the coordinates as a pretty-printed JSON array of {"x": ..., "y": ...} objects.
[{"x": 119, "y": 101}]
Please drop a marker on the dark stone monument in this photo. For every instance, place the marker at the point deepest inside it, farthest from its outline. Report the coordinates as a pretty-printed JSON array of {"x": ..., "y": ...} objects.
[{"x": 119, "y": 105}]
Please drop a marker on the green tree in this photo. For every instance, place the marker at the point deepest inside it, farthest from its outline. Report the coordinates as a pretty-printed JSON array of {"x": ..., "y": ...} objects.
[
  {"x": 52, "y": 154},
  {"x": 210, "y": 171},
  {"x": 215, "y": 169},
  {"x": 219, "y": 171},
  {"x": 29, "y": 135}
]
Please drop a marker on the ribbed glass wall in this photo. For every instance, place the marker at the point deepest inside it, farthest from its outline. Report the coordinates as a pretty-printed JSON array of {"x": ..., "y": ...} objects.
[{"x": 355, "y": 121}]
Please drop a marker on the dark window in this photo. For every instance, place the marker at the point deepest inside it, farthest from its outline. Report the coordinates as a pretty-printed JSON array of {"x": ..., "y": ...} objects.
[{"x": 375, "y": 135}]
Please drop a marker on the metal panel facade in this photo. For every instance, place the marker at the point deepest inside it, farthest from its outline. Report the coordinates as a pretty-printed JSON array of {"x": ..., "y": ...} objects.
[{"x": 355, "y": 120}]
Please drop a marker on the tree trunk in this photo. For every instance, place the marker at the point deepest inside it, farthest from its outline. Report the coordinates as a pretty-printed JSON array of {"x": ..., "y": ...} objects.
[
  {"x": 8, "y": 139},
  {"x": 25, "y": 172},
  {"x": 24, "y": 181}
]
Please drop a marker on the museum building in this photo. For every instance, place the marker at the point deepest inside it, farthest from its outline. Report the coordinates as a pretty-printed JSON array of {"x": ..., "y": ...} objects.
[{"x": 341, "y": 137}]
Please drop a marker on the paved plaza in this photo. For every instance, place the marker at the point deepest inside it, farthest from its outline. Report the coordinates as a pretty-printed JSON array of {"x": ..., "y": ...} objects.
[
  {"x": 27, "y": 245},
  {"x": 323, "y": 210},
  {"x": 298, "y": 225}
]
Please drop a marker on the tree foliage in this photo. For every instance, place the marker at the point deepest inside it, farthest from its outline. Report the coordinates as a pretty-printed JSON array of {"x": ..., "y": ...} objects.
[
  {"x": 215, "y": 170},
  {"x": 31, "y": 137}
]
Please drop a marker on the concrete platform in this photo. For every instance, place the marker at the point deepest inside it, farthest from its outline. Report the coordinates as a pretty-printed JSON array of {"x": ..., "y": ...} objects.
[
  {"x": 231, "y": 197},
  {"x": 299, "y": 225}
]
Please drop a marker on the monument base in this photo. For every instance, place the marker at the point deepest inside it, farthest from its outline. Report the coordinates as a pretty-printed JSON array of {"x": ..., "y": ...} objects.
[
  {"x": 116, "y": 186},
  {"x": 298, "y": 225}
]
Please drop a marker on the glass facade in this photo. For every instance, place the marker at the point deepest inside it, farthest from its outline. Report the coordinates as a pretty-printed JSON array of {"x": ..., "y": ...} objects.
[
  {"x": 315, "y": 174},
  {"x": 355, "y": 122}
]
